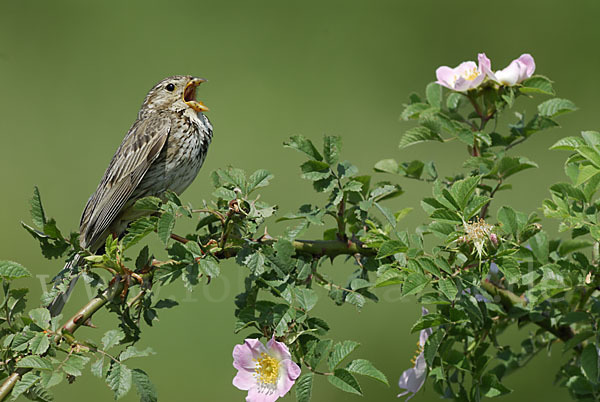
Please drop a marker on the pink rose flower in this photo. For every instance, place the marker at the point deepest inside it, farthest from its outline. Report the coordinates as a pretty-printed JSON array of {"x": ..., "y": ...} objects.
[
  {"x": 516, "y": 72},
  {"x": 462, "y": 78},
  {"x": 413, "y": 379},
  {"x": 267, "y": 373}
]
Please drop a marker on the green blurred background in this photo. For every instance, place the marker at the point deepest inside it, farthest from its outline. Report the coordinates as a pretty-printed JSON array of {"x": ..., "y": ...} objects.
[{"x": 74, "y": 73}]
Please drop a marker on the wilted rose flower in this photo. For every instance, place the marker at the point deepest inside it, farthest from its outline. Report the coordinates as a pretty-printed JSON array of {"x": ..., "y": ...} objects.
[
  {"x": 267, "y": 373},
  {"x": 462, "y": 78},
  {"x": 413, "y": 379},
  {"x": 517, "y": 71}
]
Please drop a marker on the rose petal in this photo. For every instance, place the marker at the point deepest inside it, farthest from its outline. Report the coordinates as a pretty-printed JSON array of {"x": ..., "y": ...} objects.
[
  {"x": 255, "y": 396},
  {"x": 445, "y": 76},
  {"x": 529, "y": 63},
  {"x": 291, "y": 371},
  {"x": 243, "y": 354},
  {"x": 244, "y": 380},
  {"x": 509, "y": 75},
  {"x": 278, "y": 350}
]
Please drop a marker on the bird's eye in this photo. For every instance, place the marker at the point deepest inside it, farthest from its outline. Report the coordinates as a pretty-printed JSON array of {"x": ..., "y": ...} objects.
[{"x": 170, "y": 87}]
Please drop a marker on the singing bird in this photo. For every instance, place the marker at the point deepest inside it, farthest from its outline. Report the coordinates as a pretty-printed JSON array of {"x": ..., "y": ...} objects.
[{"x": 163, "y": 150}]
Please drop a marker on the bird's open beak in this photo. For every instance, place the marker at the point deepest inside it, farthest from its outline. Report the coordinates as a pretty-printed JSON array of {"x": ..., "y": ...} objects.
[{"x": 189, "y": 95}]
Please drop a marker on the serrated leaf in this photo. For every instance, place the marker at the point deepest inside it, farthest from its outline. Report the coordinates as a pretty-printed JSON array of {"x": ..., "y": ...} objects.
[
  {"x": 510, "y": 269},
  {"x": 112, "y": 338},
  {"x": 387, "y": 165},
  {"x": 414, "y": 283},
  {"x": 418, "y": 134},
  {"x": 75, "y": 364},
  {"x": 37, "y": 211},
  {"x": 433, "y": 93},
  {"x": 345, "y": 381},
  {"x": 315, "y": 170},
  {"x": 10, "y": 270},
  {"x": 339, "y": 352},
  {"x": 40, "y": 317},
  {"x": 138, "y": 230},
  {"x": 568, "y": 143},
  {"x": 591, "y": 154},
  {"x": 39, "y": 344},
  {"x": 556, "y": 106},
  {"x": 209, "y": 267},
  {"x": 366, "y": 368},
  {"x": 356, "y": 299},
  {"x": 132, "y": 351},
  {"x": 119, "y": 379},
  {"x": 508, "y": 220},
  {"x": 35, "y": 362},
  {"x": 148, "y": 204},
  {"x": 448, "y": 288},
  {"x": 97, "y": 366},
  {"x": 21, "y": 340},
  {"x": 332, "y": 146},
  {"x": 589, "y": 362},
  {"x": 428, "y": 321},
  {"x": 256, "y": 263},
  {"x": 432, "y": 345},
  {"x": 165, "y": 226},
  {"x": 302, "y": 144},
  {"x": 307, "y": 298},
  {"x": 260, "y": 178},
  {"x": 145, "y": 389},
  {"x": 391, "y": 247},
  {"x": 26, "y": 382},
  {"x": 537, "y": 84},
  {"x": 304, "y": 387}
]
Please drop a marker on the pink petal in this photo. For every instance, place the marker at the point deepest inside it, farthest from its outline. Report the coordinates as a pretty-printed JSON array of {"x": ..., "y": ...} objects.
[
  {"x": 509, "y": 75},
  {"x": 528, "y": 61},
  {"x": 244, "y": 380},
  {"x": 243, "y": 354},
  {"x": 445, "y": 76},
  {"x": 485, "y": 65},
  {"x": 255, "y": 396},
  {"x": 278, "y": 349},
  {"x": 291, "y": 371}
]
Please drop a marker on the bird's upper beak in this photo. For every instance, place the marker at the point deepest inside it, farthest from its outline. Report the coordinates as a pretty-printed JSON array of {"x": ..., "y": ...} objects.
[{"x": 189, "y": 95}]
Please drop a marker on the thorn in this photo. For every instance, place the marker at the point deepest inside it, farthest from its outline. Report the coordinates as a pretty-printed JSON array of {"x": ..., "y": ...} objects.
[
  {"x": 77, "y": 318},
  {"x": 88, "y": 323}
]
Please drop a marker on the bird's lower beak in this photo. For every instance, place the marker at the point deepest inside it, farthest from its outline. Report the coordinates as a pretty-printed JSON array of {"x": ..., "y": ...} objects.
[{"x": 189, "y": 95}]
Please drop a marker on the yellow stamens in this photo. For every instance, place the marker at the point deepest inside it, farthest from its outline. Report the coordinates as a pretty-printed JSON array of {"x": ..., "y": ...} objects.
[
  {"x": 471, "y": 74},
  {"x": 417, "y": 353},
  {"x": 267, "y": 369}
]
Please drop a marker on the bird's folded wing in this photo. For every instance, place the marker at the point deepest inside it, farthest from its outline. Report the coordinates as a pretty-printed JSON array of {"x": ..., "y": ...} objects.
[{"x": 139, "y": 149}]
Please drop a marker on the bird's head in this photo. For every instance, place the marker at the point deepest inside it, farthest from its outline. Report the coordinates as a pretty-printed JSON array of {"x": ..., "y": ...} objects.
[{"x": 175, "y": 93}]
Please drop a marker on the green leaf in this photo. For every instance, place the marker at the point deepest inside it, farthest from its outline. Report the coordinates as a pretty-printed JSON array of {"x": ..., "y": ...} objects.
[
  {"x": 462, "y": 190},
  {"x": 568, "y": 144},
  {"x": 26, "y": 382},
  {"x": 119, "y": 379},
  {"x": 144, "y": 386},
  {"x": 256, "y": 263},
  {"x": 307, "y": 298},
  {"x": 356, "y": 299},
  {"x": 453, "y": 100},
  {"x": 591, "y": 154},
  {"x": 345, "y": 381},
  {"x": 555, "y": 106},
  {"x": 537, "y": 84},
  {"x": 585, "y": 173},
  {"x": 139, "y": 229},
  {"x": 10, "y": 270},
  {"x": 428, "y": 321},
  {"x": 418, "y": 134},
  {"x": 387, "y": 166},
  {"x": 510, "y": 269},
  {"x": 413, "y": 110},
  {"x": 35, "y": 362},
  {"x": 165, "y": 226},
  {"x": 209, "y": 267},
  {"x": 366, "y": 368},
  {"x": 132, "y": 352},
  {"x": 260, "y": 178},
  {"x": 317, "y": 351},
  {"x": 433, "y": 93},
  {"x": 491, "y": 387},
  {"x": 448, "y": 288},
  {"x": 432, "y": 345},
  {"x": 508, "y": 220},
  {"x": 589, "y": 362},
  {"x": 148, "y": 204},
  {"x": 304, "y": 387},
  {"x": 112, "y": 338},
  {"x": 331, "y": 149},
  {"x": 39, "y": 344},
  {"x": 301, "y": 144},
  {"x": 75, "y": 364},
  {"x": 37, "y": 211},
  {"x": 315, "y": 170},
  {"x": 444, "y": 215},
  {"x": 97, "y": 366},
  {"x": 391, "y": 247},
  {"x": 414, "y": 283},
  {"x": 40, "y": 317},
  {"x": 339, "y": 352}
]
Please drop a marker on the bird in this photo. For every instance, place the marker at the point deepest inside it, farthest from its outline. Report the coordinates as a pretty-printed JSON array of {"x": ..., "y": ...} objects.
[{"x": 163, "y": 150}]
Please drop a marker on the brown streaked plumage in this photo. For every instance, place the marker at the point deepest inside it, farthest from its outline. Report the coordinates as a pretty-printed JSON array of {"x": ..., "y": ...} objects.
[{"x": 163, "y": 150}]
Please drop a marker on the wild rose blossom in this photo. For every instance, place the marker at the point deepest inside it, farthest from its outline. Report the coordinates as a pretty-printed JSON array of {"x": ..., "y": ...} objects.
[
  {"x": 516, "y": 72},
  {"x": 464, "y": 77},
  {"x": 413, "y": 379},
  {"x": 267, "y": 373}
]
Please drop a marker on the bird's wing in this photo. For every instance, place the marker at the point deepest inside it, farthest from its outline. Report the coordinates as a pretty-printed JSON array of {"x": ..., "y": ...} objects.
[{"x": 139, "y": 149}]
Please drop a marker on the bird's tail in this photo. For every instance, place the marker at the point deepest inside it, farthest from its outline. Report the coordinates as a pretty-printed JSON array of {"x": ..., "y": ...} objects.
[{"x": 58, "y": 303}]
